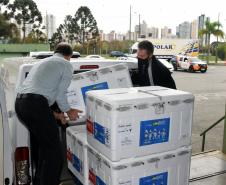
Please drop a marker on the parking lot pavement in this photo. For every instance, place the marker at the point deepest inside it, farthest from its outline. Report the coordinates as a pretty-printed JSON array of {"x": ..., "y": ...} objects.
[{"x": 210, "y": 93}]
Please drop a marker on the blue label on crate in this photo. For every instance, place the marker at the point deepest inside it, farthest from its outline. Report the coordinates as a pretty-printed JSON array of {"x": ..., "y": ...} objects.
[
  {"x": 76, "y": 163},
  {"x": 158, "y": 179},
  {"x": 99, "y": 181},
  {"x": 154, "y": 131},
  {"x": 99, "y": 133},
  {"x": 98, "y": 86}
]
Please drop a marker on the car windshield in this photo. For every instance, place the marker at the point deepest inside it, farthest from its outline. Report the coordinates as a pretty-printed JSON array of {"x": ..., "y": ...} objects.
[{"x": 195, "y": 60}]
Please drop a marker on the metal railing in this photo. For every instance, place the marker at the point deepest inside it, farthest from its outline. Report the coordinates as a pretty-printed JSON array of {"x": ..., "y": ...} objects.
[{"x": 203, "y": 134}]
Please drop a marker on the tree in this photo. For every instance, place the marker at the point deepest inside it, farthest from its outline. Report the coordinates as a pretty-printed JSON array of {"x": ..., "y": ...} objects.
[
  {"x": 36, "y": 36},
  {"x": 211, "y": 28},
  {"x": 69, "y": 29},
  {"x": 25, "y": 12},
  {"x": 3, "y": 3},
  {"x": 86, "y": 25},
  {"x": 8, "y": 30},
  {"x": 57, "y": 37}
]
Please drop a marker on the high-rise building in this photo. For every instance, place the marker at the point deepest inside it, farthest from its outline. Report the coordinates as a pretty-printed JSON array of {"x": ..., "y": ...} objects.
[
  {"x": 184, "y": 30},
  {"x": 201, "y": 25},
  {"x": 177, "y": 32},
  {"x": 153, "y": 32},
  {"x": 28, "y": 29},
  {"x": 166, "y": 32},
  {"x": 102, "y": 35},
  {"x": 120, "y": 37},
  {"x": 141, "y": 30},
  {"x": 194, "y": 29},
  {"x": 111, "y": 36},
  {"x": 133, "y": 36},
  {"x": 50, "y": 25}
]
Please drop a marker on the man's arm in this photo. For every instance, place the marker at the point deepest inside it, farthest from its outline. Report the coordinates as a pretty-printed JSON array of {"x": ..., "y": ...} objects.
[
  {"x": 165, "y": 76},
  {"x": 170, "y": 82},
  {"x": 62, "y": 89},
  {"x": 62, "y": 94}
]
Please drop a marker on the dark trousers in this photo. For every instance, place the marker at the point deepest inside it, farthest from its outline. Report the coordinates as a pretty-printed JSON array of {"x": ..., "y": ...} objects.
[{"x": 34, "y": 112}]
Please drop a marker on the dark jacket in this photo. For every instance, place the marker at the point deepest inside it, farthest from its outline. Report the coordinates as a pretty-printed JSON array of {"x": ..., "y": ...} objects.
[{"x": 160, "y": 74}]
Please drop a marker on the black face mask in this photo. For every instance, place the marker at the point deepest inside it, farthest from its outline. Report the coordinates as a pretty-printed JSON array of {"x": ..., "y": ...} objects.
[{"x": 142, "y": 60}]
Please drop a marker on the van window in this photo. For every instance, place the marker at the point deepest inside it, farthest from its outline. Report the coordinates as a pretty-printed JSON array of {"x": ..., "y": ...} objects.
[
  {"x": 134, "y": 51},
  {"x": 80, "y": 71}
]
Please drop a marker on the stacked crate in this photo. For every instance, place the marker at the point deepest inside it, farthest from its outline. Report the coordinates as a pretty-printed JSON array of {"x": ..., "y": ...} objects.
[
  {"x": 139, "y": 136},
  {"x": 110, "y": 77}
]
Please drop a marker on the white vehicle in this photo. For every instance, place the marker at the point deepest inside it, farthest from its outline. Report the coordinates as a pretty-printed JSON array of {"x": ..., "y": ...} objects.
[
  {"x": 167, "y": 64},
  {"x": 94, "y": 57},
  {"x": 167, "y": 48},
  {"x": 163, "y": 61},
  {"x": 45, "y": 54},
  {"x": 16, "y": 159},
  {"x": 191, "y": 64}
]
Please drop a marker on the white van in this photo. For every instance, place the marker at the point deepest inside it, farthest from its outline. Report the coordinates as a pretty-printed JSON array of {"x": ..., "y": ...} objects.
[{"x": 16, "y": 159}]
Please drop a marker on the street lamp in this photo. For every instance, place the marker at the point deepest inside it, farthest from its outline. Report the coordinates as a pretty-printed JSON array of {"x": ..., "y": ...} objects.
[
  {"x": 139, "y": 30},
  {"x": 216, "y": 50}
]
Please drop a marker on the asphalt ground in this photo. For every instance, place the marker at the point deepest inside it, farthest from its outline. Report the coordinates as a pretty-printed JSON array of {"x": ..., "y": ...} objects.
[{"x": 210, "y": 99}]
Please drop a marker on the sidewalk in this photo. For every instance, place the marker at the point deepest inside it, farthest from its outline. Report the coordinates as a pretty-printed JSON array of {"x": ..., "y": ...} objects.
[
  {"x": 208, "y": 169},
  {"x": 219, "y": 63}
]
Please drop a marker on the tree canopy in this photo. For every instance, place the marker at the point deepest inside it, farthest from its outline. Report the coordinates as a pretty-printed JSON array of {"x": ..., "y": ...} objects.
[{"x": 25, "y": 12}]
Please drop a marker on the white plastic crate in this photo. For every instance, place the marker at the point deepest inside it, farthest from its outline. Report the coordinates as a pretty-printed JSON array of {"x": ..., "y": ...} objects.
[
  {"x": 169, "y": 168},
  {"x": 69, "y": 132},
  {"x": 77, "y": 153},
  {"x": 111, "y": 77},
  {"x": 132, "y": 122}
]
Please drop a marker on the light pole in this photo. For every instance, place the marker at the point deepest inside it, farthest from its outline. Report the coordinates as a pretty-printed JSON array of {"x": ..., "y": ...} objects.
[
  {"x": 139, "y": 27},
  {"x": 216, "y": 50},
  {"x": 130, "y": 22}
]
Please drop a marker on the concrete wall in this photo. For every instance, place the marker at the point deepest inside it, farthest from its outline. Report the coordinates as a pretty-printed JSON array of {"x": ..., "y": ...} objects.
[{"x": 23, "y": 48}]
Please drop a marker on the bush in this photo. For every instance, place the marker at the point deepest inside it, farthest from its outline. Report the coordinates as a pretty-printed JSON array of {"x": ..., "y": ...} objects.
[
  {"x": 222, "y": 52},
  {"x": 103, "y": 47}
]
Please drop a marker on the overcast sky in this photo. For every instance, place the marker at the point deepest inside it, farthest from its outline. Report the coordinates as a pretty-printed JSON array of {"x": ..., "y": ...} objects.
[{"x": 114, "y": 14}]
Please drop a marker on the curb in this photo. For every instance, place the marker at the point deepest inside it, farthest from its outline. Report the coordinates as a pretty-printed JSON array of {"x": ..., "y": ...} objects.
[{"x": 219, "y": 64}]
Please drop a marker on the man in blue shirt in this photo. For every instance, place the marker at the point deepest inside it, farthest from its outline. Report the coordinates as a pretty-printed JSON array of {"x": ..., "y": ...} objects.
[{"x": 47, "y": 83}]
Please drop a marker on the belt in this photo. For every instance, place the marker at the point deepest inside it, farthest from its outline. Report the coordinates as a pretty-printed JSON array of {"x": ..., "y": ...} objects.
[{"x": 29, "y": 95}]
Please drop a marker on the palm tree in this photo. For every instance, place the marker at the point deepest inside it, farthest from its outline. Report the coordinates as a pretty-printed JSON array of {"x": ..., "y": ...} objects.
[{"x": 211, "y": 28}]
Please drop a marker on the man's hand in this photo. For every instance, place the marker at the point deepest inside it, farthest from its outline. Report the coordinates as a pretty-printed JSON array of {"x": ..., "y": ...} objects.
[
  {"x": 73, "y": 114},
  {"x": 61, "y": 117}
]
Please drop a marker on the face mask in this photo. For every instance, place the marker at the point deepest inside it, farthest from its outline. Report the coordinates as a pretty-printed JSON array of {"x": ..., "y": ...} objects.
[{"x": 142, "y": 60}]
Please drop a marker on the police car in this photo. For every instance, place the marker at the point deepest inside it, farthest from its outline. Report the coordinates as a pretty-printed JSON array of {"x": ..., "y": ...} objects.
[{"x": 191, "y": 64}]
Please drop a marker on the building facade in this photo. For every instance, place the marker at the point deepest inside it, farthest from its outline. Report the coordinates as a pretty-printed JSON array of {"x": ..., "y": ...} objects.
[
  {"x": 184, "y": 30},
  {"x": 50, "y": 25},
  {"x": 201, "y": 25},
  {"x": 166, "y": 32}
]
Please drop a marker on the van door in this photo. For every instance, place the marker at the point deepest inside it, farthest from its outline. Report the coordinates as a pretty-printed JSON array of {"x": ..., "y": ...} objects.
[
  {"x": 184, "y": 63},
  {"x": 6, "y": 162}
]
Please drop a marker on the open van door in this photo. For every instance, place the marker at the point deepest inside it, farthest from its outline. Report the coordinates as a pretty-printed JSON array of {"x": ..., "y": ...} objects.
[{"x": 6, "y": 162}]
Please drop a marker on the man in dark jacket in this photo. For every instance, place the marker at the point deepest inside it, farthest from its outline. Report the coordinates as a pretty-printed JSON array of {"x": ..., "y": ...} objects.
[{"x": 151, "y": 71}]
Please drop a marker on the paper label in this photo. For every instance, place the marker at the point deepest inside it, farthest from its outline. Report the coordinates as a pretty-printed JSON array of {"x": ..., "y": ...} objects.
[
  {"x": 73, "y": 99},
  {"x": 122, "y": 82},
  {"x": 125, "y": 133}
]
